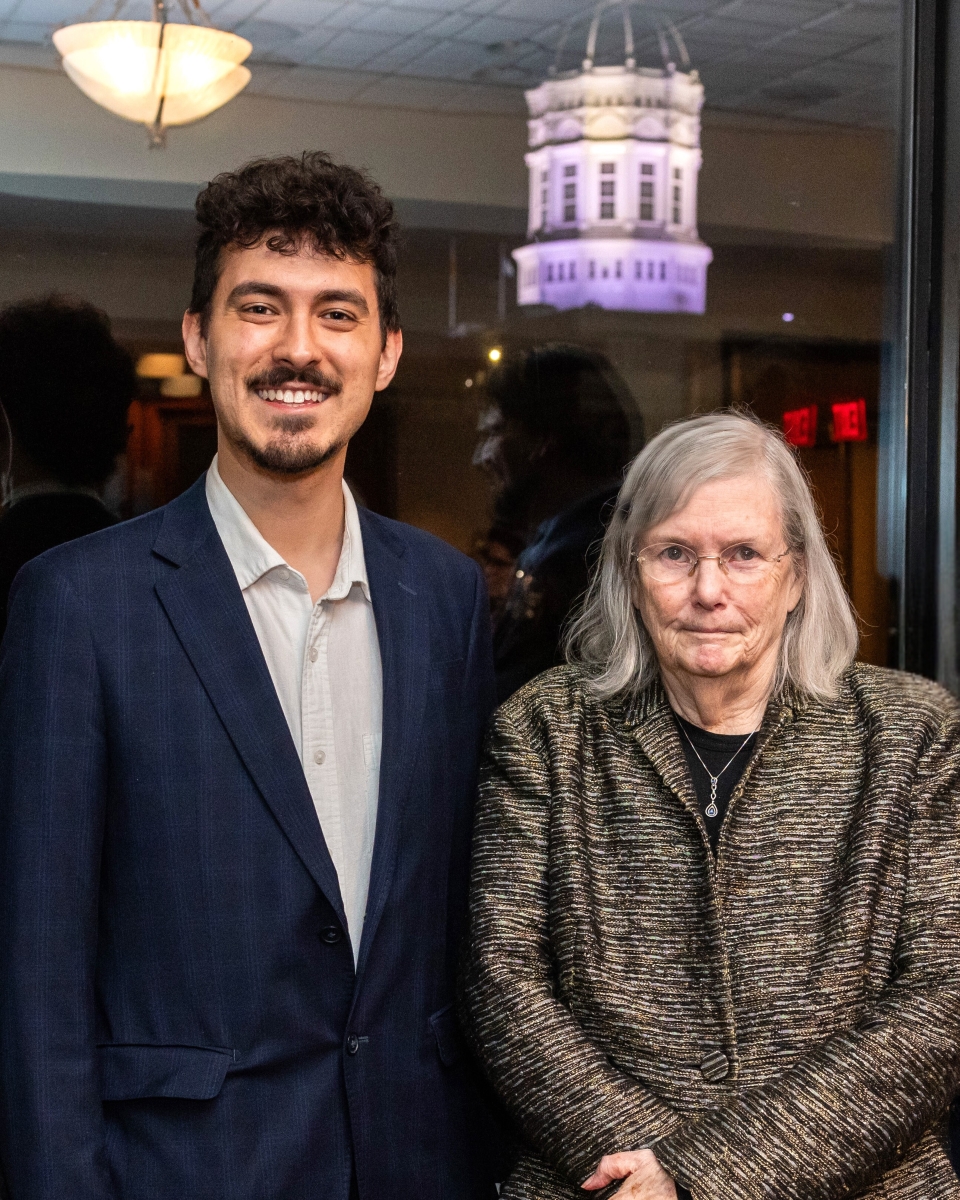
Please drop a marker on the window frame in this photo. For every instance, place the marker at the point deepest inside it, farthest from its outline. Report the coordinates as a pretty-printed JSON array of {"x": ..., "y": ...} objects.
[{"x": 917, "y": 475}]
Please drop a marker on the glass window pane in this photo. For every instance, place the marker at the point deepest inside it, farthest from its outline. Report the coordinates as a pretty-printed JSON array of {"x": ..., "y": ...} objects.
[{"x": 745, "y": 262}]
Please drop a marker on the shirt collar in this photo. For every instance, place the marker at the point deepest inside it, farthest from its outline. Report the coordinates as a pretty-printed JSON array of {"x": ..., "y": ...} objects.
[{"x": 252, "y": 556}]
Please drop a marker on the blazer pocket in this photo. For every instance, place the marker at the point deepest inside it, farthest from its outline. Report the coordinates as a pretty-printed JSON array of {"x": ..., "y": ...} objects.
[
  {"x": 447, "y": 1032},
  {"x": 169, "y": 1072}
]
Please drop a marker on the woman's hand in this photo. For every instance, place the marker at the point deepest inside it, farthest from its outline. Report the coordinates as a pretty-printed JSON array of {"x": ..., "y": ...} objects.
[{"x": 646, "y": 1179}]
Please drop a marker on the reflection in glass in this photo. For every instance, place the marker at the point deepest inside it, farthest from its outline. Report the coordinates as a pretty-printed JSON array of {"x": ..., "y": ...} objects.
[{"x": 554, "y": 439}]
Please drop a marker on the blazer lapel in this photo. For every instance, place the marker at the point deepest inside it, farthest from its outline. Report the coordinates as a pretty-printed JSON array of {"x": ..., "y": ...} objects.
[
  {"x": 656, "y": 733},
  {"x": 205, "y": 606},
  {"x": 400, "y": 619}
]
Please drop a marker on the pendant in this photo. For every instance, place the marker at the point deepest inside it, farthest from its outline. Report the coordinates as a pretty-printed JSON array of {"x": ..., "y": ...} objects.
[{"x": 712, "y": 809}]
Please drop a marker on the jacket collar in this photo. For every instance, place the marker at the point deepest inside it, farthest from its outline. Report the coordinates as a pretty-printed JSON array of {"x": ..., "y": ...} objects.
[{"x": 634, "y": 710}]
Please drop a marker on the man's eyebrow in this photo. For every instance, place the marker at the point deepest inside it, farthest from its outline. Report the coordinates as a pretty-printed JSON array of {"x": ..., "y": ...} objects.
[
  {"x": 344, "y": 296},
  {"x": 254, "y": 287}
]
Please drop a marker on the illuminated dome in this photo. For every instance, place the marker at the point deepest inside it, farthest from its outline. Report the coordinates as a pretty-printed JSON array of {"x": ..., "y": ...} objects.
[{"x": 614, "y": 160}]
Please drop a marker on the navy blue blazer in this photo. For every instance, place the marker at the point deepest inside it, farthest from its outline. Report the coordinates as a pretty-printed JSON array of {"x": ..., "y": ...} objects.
[{"x": 180, "y": 1018}]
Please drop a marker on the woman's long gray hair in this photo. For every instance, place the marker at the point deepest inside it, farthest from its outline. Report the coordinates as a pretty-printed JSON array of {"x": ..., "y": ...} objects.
[{"x": 609, "y": 640}]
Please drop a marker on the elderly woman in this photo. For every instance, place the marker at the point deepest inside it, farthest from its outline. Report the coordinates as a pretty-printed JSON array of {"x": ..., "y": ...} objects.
[{"x": 715, "y": 932}]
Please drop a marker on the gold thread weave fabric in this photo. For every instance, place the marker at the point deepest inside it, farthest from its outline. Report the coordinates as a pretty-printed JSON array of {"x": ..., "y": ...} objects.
[{"x": 782, "y": 1021}]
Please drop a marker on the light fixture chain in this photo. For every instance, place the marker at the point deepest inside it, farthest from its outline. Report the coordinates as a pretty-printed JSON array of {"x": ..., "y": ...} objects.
[{"x": 194, "y": 9}]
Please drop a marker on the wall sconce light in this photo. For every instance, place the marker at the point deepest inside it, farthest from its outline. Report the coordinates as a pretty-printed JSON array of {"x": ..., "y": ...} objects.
[
  {"x": 160, "y": 366},
  {"x": 181, "y": 386}
]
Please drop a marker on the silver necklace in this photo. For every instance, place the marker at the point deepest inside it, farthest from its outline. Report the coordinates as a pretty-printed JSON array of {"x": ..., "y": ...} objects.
[{"x": 711, "y": 809}]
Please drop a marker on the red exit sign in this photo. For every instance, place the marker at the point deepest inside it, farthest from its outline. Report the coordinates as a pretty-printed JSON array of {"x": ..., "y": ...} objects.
[
  {"x": 849, "y": 420},
  {"x": 800, "y": 426}
]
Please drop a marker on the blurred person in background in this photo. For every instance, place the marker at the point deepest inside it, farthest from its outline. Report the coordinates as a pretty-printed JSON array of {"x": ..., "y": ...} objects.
[
  {"x": 497, "y": 555},
  {"x": 557, "y": 432},
  {"x": 65, "y": 388}
]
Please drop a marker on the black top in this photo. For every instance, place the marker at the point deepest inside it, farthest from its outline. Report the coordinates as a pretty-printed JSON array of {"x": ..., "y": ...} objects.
[
  {"x": 40, "y": 522},
  {"x": 716, "y": 750}
]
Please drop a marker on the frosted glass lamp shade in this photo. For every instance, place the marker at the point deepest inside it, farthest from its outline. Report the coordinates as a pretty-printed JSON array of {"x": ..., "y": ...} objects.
[{"x": 129, "y": 67}]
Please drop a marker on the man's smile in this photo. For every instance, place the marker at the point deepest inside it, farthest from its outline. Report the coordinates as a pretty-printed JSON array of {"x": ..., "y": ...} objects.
[{"x": 292, "y": 395}]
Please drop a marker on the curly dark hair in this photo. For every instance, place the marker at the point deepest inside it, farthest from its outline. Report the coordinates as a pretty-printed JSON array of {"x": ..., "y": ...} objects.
[
  {"x": 286, "y": 201},
  {"x": 65, "y": 385}
]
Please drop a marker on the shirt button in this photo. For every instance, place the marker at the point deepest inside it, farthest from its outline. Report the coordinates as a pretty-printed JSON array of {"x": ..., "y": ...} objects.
[
  {"x": 330, "y": 934},
  {"x": 353, "y": 1044},
  {"x": 314, "y": 654},
  {"x": 319, "y": 758},
  {"x": 284, "y": 573}
]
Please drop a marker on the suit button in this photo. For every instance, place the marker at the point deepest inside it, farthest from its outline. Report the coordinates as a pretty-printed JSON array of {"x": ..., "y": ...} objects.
[
  {"x": 353, "y": 1044},
  {"x": 330, "y": 934},
  {"x": 715, "y": 1066}
]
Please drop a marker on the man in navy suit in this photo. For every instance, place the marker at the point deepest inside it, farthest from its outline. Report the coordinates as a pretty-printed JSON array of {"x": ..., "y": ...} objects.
[{"x": 238, "y": 739}]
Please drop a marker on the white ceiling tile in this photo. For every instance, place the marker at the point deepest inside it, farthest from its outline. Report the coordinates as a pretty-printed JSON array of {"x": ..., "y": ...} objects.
[
  {"x": 490, "y": 30},
  {"x": 304, "y": 13},
  {"x": 411, "y": 92},
  {"x": 42, "y": 12},
  {"x": 349, "y": 16},
  {"x": 402, "y": 52},
  {"x": 769, "y": 12},
  {"x": 229, "y": 13},
  {"x": 453, "y": 24},
  {"x": 733, "y": 32},
  {"x": 443, "y": 6},
  {"x": 26, "y": 31},
  {"x": 351, "y": 49},
  {"x": 385, "y": 19},
  {"x": 449, "y": 59},
  {"x": 268, "y": 37},
  {"x": 536, "y": 10},
  {"x": 867, "y": 22},
  {"x": 483, "y": 7},
  {"x": 311, "y": 83}
]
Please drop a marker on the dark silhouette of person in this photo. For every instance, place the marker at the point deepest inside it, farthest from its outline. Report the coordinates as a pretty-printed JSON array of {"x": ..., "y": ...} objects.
[
  {"x": 65, "y": 388},
  {"x": 559, "y": 428}
]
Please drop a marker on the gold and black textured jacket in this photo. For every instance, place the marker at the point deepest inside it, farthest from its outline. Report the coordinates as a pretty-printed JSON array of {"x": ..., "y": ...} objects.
[{"x": 781, "y": 1021}]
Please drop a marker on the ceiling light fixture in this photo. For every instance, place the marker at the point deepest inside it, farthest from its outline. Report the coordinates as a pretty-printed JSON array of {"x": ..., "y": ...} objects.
[{"x": 157, "y": 73}]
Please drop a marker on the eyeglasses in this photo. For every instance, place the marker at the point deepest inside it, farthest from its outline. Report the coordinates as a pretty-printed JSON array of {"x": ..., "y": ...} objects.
[{"x": 669, "y": 562}]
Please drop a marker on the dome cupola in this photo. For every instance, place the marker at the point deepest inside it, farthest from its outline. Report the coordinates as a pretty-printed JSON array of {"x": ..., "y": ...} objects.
[{"x": 614, "y": 161}]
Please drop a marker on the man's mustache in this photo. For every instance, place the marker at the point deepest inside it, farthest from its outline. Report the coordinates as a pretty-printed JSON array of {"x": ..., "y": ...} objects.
[{"x": 279, "y": 376}]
